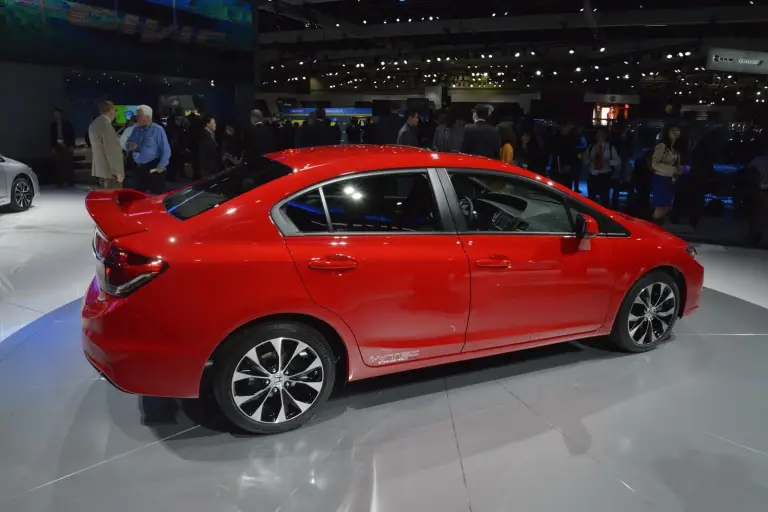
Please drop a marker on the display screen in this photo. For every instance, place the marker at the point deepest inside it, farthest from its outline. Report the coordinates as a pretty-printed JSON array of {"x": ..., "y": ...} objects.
[{"x": 124, "y": 113}]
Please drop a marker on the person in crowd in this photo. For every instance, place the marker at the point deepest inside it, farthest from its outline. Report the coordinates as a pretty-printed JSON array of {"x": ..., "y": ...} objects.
[
  {"x": 507, "y": 134},
  {"x": 621, "y": 180},
  {"x": 195, "y": 132},
  {"x": 231, "y": 147},
  {"x": 757, "y": 170},
  {"x": 176, "y": 130},
  {"x": 210, "y": 161},
  {"x": 481, "y": 138},
  {"x": 408, "y": 135},
  {"x": 62, "y": 140},
  {"x": 107, "y": 155},
  {"x": 600, "y": 161},
  {"x": 387, "y": 128},
  {"x": 442, "y": 133},
  {"x": 130, "y": 164},
  {"x": 259, "y": 138},
  {"x": 353, "y": 131},
  {"x": 527, "y": 154},
  {"x": 665, "y": 163},
  {"x": 151, "y": 151},
  {"x": 335, "y": 133},
  {"x": 317, "y": 131},
  {"x": 564, "y": 155},
  {"x": 690, "y": 198}
]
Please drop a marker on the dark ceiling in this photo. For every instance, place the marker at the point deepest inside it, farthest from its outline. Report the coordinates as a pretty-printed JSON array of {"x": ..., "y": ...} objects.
[{"x": 617, "y": 46}]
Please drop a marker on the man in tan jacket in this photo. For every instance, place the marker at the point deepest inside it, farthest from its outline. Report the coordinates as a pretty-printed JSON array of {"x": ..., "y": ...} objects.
[{"x": 107, "y": 159}]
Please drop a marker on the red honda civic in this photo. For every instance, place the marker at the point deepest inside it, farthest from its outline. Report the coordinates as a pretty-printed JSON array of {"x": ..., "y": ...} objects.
[{"x": 273, "y": 278}]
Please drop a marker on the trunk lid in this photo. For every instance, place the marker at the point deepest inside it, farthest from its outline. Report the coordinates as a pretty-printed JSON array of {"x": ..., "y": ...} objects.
[{"x": 124, "y": 212}]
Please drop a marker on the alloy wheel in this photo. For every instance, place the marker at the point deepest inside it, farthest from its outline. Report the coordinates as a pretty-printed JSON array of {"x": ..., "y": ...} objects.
[
  {"x": 277, "y": 380},
  {"x": 651, "y": 313},
  {"x": 22, "y": 194}
]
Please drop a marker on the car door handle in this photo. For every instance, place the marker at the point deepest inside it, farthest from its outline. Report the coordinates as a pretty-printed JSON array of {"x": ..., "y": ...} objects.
[
  {"x": 335, "y": 262},
  {"x": 495, "y": 261}
]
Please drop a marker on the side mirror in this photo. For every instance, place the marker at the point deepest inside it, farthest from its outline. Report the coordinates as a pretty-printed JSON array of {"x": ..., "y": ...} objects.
[{"x": 586, "y": 226}]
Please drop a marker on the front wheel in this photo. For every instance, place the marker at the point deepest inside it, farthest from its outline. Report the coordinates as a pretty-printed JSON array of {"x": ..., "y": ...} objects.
[
  {"x": 648, "y": 313},
  {"x": 274, "y": 377},
  {"x": 22, "y": 194}
]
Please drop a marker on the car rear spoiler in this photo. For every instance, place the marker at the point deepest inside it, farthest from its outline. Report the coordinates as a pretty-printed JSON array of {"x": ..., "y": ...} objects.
[{"x": 108, "y": 210}]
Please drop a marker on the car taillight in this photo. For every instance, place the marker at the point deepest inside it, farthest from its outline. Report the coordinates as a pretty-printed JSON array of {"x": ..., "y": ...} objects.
[{"x": 122, "y": 272}]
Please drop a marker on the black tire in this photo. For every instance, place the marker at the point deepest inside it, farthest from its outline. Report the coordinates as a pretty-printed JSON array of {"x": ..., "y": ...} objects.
[
  {"x": 621, "y": 333},
  {"x": 259, "y": 338},
  {"x": 17, "y": 204}
]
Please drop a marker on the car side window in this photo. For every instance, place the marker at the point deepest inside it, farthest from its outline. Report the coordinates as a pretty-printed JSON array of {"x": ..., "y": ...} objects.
[
  {"x": 398, "y": 202},
  {"x": 307, "y": 212},
  {"x": 605, "y": 225},
  {"x": 501, "y": 204}
]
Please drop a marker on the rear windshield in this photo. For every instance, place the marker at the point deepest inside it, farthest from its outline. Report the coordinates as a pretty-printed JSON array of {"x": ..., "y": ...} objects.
[{"x": 220, "y": 188}]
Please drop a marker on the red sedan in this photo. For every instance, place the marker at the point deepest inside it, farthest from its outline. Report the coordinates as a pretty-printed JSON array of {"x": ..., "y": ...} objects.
[{"x": 360, "y": 261}]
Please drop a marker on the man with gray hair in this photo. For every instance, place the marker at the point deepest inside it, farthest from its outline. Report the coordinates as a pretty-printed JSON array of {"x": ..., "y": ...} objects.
[
  {"x": 150, "y": 150},
  {"x": 259, "y": 138}
]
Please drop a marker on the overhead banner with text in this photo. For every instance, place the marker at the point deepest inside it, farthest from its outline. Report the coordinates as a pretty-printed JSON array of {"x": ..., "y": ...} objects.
[{"x": 737, "y": 61}]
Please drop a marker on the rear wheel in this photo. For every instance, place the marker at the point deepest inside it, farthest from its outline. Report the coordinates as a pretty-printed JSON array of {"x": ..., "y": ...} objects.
[
  {"x": 648, "y": 313},
  {"x": 22, "y": 194},
  {"x": 274, "y": 377}
]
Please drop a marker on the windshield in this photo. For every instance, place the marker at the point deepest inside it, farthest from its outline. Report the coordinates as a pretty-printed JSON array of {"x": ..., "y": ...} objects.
[{"x": 225, "y": 186}]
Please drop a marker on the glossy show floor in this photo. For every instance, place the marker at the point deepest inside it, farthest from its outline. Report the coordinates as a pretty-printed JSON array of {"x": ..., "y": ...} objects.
[{"x": 576, "y": 427}]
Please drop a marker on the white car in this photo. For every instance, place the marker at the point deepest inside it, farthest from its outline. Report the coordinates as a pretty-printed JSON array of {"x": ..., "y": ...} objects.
[
  {"x": 18, "y": 184},
  {"x": 82, "y": 154}
]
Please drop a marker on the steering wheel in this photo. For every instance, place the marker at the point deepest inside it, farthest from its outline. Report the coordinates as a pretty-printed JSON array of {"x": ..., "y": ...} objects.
[{"x": 467, "y": 208}]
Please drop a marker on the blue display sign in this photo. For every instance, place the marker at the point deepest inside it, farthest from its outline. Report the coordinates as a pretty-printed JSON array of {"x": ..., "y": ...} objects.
[{"x": 330, "y": 112}]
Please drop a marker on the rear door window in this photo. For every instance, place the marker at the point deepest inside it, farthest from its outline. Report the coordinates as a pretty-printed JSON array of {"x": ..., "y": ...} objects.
[
  {"x": 389, "y": 202},
  {"x": 225, "y": 186}
]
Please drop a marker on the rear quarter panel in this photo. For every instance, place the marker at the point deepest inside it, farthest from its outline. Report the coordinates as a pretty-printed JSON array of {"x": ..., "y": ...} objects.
[{"x": 227, "y": 267}]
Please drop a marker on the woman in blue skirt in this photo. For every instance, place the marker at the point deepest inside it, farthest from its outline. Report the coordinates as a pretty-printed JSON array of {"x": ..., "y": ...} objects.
[{"x": 665, "y": 163}]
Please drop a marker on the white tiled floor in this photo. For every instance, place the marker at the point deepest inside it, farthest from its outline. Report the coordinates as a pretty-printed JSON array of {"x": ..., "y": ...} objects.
[
  {"x": 46, "y": 261},
  {"x": 45, "y": 257}
]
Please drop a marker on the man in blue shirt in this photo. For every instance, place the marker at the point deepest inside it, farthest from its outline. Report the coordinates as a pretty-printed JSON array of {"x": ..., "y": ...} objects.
[{"x": 151, "y": 151}]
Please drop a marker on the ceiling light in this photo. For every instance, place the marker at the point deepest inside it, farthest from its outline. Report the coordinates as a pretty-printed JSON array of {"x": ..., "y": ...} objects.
[
  {"x": 578, "y": 70},
  {"x": 602, "y": 49},
  {"x": 571, "y": 51},
  {"x": 538, "y": 73},
  {"x": 669, "y": 55},
  {"x": 533, "y": 52},
  {"x": 517, "y": 54}
]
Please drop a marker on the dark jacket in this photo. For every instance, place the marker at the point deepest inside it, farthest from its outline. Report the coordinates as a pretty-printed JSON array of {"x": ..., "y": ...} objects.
[
  {"x": 208, "y": 154},
  {"x": 481, "y": 139},
  {"x": 259, "y": 141},
  {"x": 564, "y": 151},
  {"x": 316, "y": 133},
  {"x": 68, "y": 133},
  {"x": 408, "y": 136}
]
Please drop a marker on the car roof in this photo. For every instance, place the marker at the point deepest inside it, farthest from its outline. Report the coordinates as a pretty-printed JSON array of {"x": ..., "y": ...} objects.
[{"x": 325, "y": 162}]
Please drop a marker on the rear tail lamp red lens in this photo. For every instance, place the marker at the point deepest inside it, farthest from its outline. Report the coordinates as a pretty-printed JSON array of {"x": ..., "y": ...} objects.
[{"x": 122, "y": 272}]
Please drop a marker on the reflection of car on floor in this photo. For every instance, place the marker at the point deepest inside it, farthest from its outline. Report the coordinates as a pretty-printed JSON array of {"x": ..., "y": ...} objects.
[
  {"x": 18, "y": 184},
  {"x": 269, "y": 280}
]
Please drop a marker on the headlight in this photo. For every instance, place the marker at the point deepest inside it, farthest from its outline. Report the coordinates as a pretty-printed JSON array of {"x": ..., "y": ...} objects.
[{"x": 692, "y": 251}]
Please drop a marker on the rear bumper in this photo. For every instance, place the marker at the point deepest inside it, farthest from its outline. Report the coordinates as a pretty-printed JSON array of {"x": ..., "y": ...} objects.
[{"x": 132, "y": 353}]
